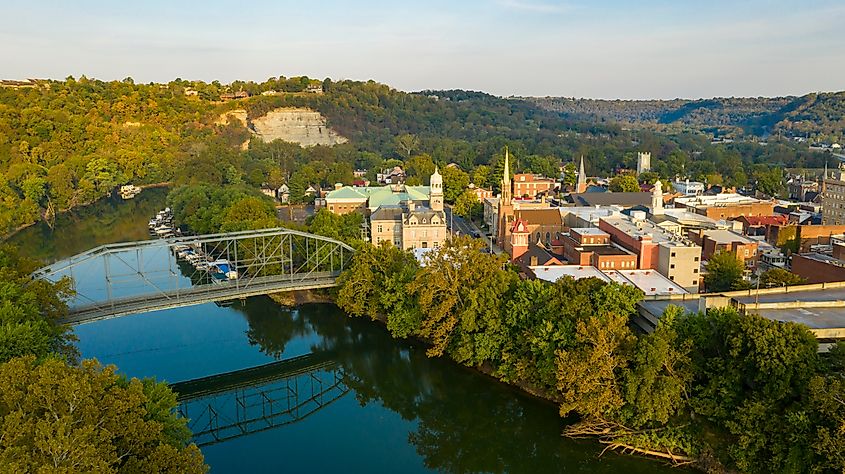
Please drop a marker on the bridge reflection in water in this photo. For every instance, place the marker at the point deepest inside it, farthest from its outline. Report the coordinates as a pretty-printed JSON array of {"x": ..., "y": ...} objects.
[{"x": 234, "y": 404}]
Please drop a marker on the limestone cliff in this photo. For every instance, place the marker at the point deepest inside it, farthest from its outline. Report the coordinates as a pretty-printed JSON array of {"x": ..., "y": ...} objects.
[{"x": 298, "y": 125}]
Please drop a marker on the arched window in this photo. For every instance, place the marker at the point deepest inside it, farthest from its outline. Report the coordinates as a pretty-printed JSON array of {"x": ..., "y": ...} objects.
[
  {"x": 548, "y": 238},
  {"x": 538, "y": 237}
]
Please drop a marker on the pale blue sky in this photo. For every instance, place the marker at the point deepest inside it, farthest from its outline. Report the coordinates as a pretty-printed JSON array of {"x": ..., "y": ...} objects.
[{"x": 600, "y": 49}]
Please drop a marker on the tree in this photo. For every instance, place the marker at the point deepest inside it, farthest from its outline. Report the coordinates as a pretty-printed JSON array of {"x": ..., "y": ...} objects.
[
  {"x": 406, "y": 144},
  {"x": 59, "y": 418},
  {"x": 460, "y": 294},
  {"x": 346, "y": 227},
  {"x": 249, "y": 213},
  {"x": 724, "y": 273},
  {"x": 30, "y": 311},
  {"x": 625, "y": 183},
  {"x": 455, "y": 181},
  {"x": 657, "y": 384},
  {"x": 420, "y": 167},
  {"x": 648, "y": 177},
  {"x": 467, "y": 205},
  {"x": 780, "y": 277},
  {"x": 587, "y": 373}
]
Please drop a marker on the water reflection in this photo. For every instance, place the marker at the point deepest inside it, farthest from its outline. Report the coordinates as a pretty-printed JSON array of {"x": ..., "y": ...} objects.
[{"x": 465, "y": 422}]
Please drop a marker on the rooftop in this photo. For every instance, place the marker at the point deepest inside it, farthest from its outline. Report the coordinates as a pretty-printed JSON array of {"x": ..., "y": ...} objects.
[
  {"x": 642, "y": 228},
  {"x": 607, "y": 199},
  {"x": 726, "y": 237},
  {"x": 718, "y": 200},
  {"x": 589, "y": 231},
  {"x": 554, "y": 273},
  {"x": 650, "y": 282}
]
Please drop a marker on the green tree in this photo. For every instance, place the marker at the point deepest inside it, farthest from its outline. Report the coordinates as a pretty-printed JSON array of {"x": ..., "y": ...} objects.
[
  {"x": 724, "y": 273},
  {"x": 587, "y": 374},
  {"x": 780, "y": 277},
  {"x": 57, "y": 418},
  {"x": 406, "y": 144},
  {"x": 657, "y": 383},
  {"x": 467, "y": 205},
  {"x": 460, "y": 294},
  {"x": 648, "y": 177},
  {"x": 455, "y": 181},
  {"x": 30, "y": 311},
  {"x": 625, "y": 183},
  {"x": 249, "y": 213},
  {"x": 346, "y": 227}
]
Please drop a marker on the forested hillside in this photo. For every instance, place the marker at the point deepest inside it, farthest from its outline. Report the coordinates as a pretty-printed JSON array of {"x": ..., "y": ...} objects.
[
  {"x": 67, "y": 143},
  {"x": 820, "y": 117}
]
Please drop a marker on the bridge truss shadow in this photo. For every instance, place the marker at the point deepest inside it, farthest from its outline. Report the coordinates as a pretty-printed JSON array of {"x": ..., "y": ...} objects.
[{"x": 234, "y": 404}]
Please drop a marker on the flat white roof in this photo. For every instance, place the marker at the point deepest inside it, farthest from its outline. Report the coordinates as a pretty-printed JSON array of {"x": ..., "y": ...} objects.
[
  {"x": 554, "y": 273},
  {"x": 589, "y": 231},
  {"x": 726, "y": 236},
  {"x": 725, "y": 199},
  {"x": 649, "y": 281}
]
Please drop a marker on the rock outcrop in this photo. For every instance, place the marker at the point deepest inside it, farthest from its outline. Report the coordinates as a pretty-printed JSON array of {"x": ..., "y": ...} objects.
[{"x": 298, "y": 125}]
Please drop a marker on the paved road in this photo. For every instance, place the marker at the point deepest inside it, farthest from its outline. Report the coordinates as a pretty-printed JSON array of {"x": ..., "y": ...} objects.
[{"x": 460, "y": 226}]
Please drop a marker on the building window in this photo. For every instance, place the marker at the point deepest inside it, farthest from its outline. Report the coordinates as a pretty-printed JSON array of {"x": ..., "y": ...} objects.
[
  {"x": 672, "y": 277},
  {"x": 425, "y": 245},
  {"x": 673, "y": 254},
  {"x": 696, "y": 259},
  {"x": 695, "y": 282},
  {"x": 379, "y": 228},
  {"x": 672, "y": 266},
  {"x": 695, "y": 270}
]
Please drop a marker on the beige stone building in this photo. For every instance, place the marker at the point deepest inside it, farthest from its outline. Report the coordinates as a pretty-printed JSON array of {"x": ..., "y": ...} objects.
[
  {"x": 410, "y": 224},
  {"x": 833, "y": 198}
]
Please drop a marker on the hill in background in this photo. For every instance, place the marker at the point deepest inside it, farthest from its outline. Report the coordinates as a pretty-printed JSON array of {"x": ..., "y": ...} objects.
[{"x": 818, "y": 117}]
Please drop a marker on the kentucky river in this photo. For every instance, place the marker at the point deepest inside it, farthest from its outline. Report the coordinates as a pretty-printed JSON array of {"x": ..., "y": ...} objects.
[{"x": 358, "y": 401}]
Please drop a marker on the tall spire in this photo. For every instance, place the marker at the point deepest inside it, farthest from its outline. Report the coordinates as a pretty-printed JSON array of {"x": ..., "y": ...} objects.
[
  {"x": 506, "y": 179},
  {"x": 581, "y": 185}
]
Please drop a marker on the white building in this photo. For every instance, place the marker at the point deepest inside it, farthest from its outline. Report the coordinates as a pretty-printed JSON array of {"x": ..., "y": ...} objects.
[{"x": 689, "y": 188}]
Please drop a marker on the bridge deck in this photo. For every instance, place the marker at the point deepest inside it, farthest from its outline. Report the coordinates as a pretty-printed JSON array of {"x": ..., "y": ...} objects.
[{"x": 225, "y": 290}]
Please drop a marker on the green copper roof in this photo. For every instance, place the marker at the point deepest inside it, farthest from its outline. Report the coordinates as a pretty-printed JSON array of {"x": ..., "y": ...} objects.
[{"x": 381, "y": 195}]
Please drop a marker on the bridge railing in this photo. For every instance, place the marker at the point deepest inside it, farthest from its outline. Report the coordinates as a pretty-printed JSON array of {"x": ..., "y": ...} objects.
[{"x": 156, "y": 274}]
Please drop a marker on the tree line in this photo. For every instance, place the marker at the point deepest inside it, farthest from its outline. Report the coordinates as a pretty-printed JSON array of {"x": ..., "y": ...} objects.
[{"x": 722, "y": 389}]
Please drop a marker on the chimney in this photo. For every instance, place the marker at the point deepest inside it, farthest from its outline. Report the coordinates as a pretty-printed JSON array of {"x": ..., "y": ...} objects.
[
  {"x": 533, "y": 260},
  {"x": 411, "y": 206},
  {"x": 338, "y": 186}
]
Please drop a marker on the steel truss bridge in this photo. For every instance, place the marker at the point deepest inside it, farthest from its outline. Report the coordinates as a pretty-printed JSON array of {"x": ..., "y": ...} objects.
[
  {"x": 227, "y": 406},
  {"x": 135, "y": 277}
]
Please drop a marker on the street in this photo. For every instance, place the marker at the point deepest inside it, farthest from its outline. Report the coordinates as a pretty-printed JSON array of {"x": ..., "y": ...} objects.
[{"x": 460, "y": 226}]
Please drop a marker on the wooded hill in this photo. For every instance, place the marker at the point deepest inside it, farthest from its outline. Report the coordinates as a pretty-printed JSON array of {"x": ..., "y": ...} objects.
[
  {"x": 819, "y": 117},
  {"x": 67, "y": 143}
]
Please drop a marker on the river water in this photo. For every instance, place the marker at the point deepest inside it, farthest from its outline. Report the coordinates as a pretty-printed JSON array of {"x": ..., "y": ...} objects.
[{"x": 349, "y": 398}]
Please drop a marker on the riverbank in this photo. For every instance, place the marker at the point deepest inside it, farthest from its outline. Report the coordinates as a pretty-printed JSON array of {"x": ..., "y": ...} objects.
[
  {"x": 79, "y": 207},
  {"x": 608, "y": 436}
]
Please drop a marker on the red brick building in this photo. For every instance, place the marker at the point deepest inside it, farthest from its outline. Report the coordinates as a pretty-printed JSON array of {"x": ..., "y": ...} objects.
[
  {"x": 531, "y": 185},
  {"x": 590, "y": 246}
]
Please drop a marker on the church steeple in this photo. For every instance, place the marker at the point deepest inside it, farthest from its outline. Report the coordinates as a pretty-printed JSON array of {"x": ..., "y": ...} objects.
[
  {"x": 581, "y": 185},
  {"x": 506, "y": 180}
]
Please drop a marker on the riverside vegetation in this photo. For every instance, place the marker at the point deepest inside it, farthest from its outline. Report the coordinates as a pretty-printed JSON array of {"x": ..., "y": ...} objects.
[
  {"x": 63, "y": 415},
  {"x": 724, "y": 391}
]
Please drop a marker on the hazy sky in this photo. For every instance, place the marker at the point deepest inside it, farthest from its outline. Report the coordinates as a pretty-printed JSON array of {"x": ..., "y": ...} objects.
[{"x": 600, "y": 49}]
